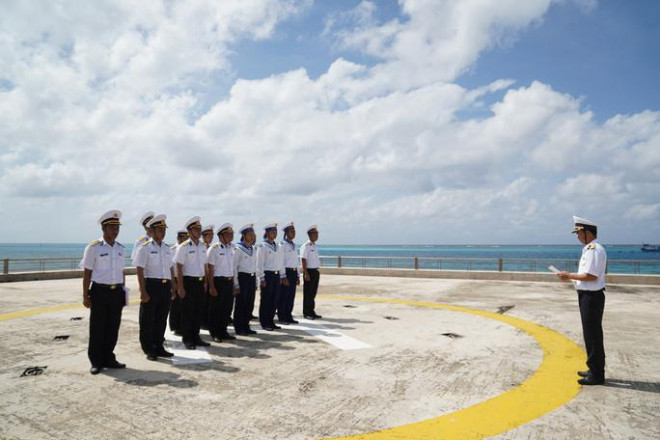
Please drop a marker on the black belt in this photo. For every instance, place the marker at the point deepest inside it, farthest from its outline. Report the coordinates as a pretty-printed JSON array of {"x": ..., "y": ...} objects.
[
  {"x": 591, "y": 291},
  {"x": 225, "y": 278},
  {"x": 107, "y": 286},
  {"x": 245, "y": 274},
  {"x": 272, "y": 272},
  {"x": 291, "y": 270},
  {"x": 158, "y": 280},
  {"x": 312, "y": 268},
  {"x": 200, "y": 279}
]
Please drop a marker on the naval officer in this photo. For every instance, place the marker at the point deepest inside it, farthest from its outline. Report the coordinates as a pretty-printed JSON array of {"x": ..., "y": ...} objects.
[
  {"x": 144, "y": 220},
  {"x": 207, "y": 239},
  {"x": 155, "y": 272},
  {"x": 288, "y": 290},
  {"x": 590, "y": 284},
  {"x": 175, "y": 305},
  {"x": 190, "y": 259},
  {"x": 103, "y": 263},
  {"x": 271, "y": 274},
  {"x": 245, "y": 286},
  {"x": 220, "y": 271},
  {"x": 311, "y": 262}
]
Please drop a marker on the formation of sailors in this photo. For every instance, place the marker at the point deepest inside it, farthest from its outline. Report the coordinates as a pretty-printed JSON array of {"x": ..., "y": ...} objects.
[{"x": 197, "y": 282}]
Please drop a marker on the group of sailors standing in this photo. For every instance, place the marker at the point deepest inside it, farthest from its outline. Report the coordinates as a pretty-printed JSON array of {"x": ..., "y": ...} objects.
[{"x": 196, "y": 282}]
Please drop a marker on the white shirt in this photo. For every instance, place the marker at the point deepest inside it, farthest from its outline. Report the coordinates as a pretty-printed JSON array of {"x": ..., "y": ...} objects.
[
  {"x": 270, "y": 258},
  {"x": 290, "y": 254},
  {"x": 156, "y": 260},
  {"x": 245, "y": 260},
  {"x": 593, "y": 261},
  {"x": 309, "y": 251},
  {"x": 221, "y": 257},
  {"x": 193, "y": 258},
  {"x": 106, "y": 262},
  {"x": 136, "y": 247}
]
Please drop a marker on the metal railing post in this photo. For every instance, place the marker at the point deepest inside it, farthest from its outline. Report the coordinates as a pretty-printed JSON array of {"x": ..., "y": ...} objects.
[
  {"x": 499, "y": 264},
  {"x": 416, "y": 263},
  {"x": 5, "y": 266},
  {"x": 339, "y": 261}
]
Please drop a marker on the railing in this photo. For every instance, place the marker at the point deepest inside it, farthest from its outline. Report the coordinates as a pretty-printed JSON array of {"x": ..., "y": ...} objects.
[{"x": 649, "y": 267}]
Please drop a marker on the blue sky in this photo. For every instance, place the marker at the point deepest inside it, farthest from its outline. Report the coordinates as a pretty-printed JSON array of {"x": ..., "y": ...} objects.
[{"x": 450, "y": 122}]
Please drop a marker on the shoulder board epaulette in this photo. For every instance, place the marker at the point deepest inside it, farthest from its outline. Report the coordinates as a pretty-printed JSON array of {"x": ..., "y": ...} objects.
[
  {"x": 214, "y": 245},
  {"x": 146, "y": 243},
  {"x": 94, "y": 243},
  {"x": 143, "y": 238},
  {"x": 188, "y": 242},
  {"x": 119, "y": 244},
  {"x": 591, "y": 246}
]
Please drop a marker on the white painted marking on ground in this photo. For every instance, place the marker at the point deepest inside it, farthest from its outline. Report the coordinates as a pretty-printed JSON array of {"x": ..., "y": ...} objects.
[
  {"x": 183, "y": 356},
  {"x": 328, "y": 335}
]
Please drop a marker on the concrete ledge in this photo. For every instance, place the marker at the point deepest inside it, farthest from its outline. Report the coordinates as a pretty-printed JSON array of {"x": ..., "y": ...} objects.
[{"x": 645, "y": 280}]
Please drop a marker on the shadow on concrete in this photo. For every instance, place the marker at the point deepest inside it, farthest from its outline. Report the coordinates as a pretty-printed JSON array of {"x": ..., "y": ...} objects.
[
  {"x": 149, "y": 378},
  {"x": 648, "y": 387},
  {"x": 208, "y": 366},
  {"x": 344, "y": 321}
]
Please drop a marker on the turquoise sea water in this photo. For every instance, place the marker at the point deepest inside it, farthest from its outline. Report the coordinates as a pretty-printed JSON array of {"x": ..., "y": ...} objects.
[{"x": 623, "y": 258}]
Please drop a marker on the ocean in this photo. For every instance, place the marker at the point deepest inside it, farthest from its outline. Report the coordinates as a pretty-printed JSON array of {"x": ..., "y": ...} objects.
[{"x": 535, "y": 258}]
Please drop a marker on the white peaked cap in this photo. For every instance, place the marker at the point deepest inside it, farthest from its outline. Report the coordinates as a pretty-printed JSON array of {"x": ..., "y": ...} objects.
[
  {"x": 194, "y": 221},
  {"x": 270, "y": 226},
  {"x": 208, "y": 228},
  {"x": 158, "y": 220},
  {"x": 312, "y": 228},
  {"x": 146, "y": 216},
  {"x": 224, "y": 226},
  {"x": 111, "y": 217},
  {"x": 246, "y": 227},
  {"x": 288, "y": 225}
]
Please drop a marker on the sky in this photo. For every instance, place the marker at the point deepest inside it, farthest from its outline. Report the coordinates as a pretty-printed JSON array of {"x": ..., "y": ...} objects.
[{"x": 384, "y": 122}]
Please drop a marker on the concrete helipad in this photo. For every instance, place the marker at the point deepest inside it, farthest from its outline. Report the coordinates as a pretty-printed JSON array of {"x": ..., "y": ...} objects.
[{"x": 392, "y": 358}]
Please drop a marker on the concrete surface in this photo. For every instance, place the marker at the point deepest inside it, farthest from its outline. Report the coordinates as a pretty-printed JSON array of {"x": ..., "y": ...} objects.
[{"x": 292, "y": 385}]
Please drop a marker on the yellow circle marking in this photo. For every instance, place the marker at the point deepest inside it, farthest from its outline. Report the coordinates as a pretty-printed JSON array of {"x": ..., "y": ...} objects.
[{"x": 551, "y": 386}]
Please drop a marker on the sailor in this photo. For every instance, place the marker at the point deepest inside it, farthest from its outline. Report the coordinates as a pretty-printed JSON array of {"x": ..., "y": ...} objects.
[
  {"x": 220, "y": 273},
  {"x": 245, "y": 286},
  {"x": 207, "y": 239},
  {"x": 190, "y": 259},
  {"x": 288, "y": 290},
  {"x": 144, "y": 220},
  {"x": 155, "y": 272},
  {"x": 271, "y": 274},
  {"x": 175, "y": 304},
  {"x": 590, "y": 284},
  {"x": 104, "y": 292},
  {"x": 311, "y": 262}
]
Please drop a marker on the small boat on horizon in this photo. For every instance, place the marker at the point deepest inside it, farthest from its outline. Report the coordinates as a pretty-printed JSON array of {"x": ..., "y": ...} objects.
[{"x": 650, "y": 247}]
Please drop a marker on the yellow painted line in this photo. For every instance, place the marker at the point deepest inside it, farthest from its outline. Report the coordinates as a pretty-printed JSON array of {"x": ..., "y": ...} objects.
[{"x": 551, "y": 386}]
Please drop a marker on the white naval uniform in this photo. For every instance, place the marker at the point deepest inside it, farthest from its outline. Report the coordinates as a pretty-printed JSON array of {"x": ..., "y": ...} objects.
[
  {"x": 593, "y": 262},
  {"x": 290, "y": 254},
  {"x": 245, "y": 260},
  {"x": 105, "y": 261},
  {"x": 193, "y": 258},
  {"x": 309, "y": 251},
  {"x": 156, "y": 260},
  {"x": 270, "y": 258},
  {"x": 221, "y": 257},
  {"x": 136, "y": 247}
]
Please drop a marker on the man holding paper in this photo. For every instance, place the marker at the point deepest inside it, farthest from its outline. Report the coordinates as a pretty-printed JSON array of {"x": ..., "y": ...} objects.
[{"x": 590, "y": 284}]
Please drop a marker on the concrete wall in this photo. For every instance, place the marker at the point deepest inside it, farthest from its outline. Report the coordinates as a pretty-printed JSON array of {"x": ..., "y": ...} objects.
[{"x": 648, "y": 280}]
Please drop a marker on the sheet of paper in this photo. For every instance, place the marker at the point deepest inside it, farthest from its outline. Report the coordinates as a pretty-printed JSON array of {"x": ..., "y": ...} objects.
[{"x": 553, "y": 269}]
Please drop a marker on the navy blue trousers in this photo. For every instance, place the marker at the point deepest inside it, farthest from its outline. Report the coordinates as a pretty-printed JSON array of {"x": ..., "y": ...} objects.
[
  {"x": 287, "y": 297},
  {"x": 270, "y": 296},
  {"x": 243, "y": 301},
  {"x": 592, "y": 305}
]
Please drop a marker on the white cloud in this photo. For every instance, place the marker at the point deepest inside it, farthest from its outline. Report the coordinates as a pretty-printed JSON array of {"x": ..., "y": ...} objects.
[{"x": 100, "y": 116}]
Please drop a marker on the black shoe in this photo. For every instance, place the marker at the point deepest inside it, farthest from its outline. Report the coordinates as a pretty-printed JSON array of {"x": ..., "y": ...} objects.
[
  {"x": 317, "y": 316},
  {"x": 228, "y": 336},
  {"x": 115, "y": 364},
  {"x": 201, "y": 343},
  {"x": 164, "y": 353},
  {"x": 583, "y": 373},
  {"x": 252, "y": 332},
  {"x": 216, "y": 339},
  {"x": 268, "y": 329},
  {"x": 95, "y": 370},
  {"x": 283, "y": 322},
  {"x": 243, "y": 333},
  {"x": 277, "y": 327},
  {"x": 310, "y": 317},
  {"x": 190, "y": 346},
  {"x": 152, "y": 356},
  {"x": 592, "y": 380},
  {"x": 293, "y": 321}
]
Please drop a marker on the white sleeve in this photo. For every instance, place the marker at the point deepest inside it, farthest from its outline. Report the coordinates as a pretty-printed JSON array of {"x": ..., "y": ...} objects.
[
  {"x": 180, "y": 255},
  {"x": 88, "y": 258},
  {"x": 235, "y": 264},
  {"x": 282, "y": 254},
  {"x": 261, "y": 255},
  {"x": 210, "y": 256},
  {"x": 141, "y": 256},
  {"x": 303, "y": 252}
]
